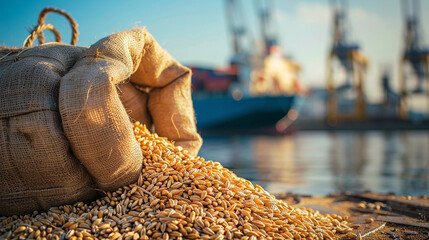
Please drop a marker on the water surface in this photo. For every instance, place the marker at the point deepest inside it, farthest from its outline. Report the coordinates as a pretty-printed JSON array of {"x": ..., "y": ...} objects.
[{"x": 319, "y": 162}]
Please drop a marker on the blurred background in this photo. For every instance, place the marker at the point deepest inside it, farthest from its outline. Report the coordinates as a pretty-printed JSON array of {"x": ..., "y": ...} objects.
[{"x": 309, "y": 96}]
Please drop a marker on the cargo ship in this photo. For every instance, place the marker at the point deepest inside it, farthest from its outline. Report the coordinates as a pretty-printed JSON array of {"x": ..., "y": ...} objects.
[
  {"x": 223, "y": 101},
  {"x": 258, "y": 87},
  {"x": 229, "y": 113}
]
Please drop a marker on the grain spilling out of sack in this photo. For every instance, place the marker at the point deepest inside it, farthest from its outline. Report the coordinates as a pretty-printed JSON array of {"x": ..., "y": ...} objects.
[{"x": 177, "y": 196}]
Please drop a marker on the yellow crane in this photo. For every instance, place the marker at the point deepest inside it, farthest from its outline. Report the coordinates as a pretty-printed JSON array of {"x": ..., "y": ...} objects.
[{"x": 354, "y": 63}]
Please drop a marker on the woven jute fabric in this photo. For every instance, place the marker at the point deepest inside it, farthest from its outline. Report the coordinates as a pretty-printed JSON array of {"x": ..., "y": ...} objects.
[
  {"x": 37, "y": 167},
  {"x": 94, "y": 119}
]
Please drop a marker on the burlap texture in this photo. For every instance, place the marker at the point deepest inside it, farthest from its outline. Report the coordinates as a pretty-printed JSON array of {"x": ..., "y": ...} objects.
[
  {"x": 37, "y": 167},
  {"x": 135, "y": 103},
  {"x": 170, "y": 100},
  {"x": 94, "y": 119}
]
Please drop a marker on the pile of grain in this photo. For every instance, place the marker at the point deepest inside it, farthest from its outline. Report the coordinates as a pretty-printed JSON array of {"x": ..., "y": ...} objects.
[{"x": 177, "y": 197}]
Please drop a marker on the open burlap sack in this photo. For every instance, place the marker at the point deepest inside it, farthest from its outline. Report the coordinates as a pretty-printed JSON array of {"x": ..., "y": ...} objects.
[
  {"x": 94, "y": 119},
  {"x": 63, "y": 130},
  {"x": 37, "y": 168}
]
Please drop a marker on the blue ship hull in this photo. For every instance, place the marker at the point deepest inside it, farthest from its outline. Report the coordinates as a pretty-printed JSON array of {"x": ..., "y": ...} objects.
[{"x": 224, "y": 113}]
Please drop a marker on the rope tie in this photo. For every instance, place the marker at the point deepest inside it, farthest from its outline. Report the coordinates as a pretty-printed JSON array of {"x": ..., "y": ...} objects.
[
  {"x": 38, "y": 32},
  {"x": 41, "y": 26}
]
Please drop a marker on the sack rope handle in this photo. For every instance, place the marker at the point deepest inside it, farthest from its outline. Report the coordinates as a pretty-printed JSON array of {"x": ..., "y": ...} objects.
[{"x": 38, "y": 31}]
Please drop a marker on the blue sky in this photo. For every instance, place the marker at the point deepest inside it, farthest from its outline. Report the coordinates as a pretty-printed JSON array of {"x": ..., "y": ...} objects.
[{"x": 194, "y": 31}]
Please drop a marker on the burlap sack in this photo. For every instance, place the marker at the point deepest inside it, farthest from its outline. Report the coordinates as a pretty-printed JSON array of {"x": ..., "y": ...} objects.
[
  {"x": 37, "y": 168},
  {"x": 61, "y": 133},
  {"x": 94, "y": 119}
]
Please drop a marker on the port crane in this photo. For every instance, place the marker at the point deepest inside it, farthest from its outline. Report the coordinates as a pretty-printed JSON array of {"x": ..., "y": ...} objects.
[
  {"x": 353, "y": 62},
  {"x": 261, "y": 67},
  {"x": 242, "y": 41},
  {"x": 414, "y": 66}
]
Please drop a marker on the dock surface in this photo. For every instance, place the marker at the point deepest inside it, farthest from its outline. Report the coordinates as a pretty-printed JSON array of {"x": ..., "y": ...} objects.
[{"x": 379, "y": 216}]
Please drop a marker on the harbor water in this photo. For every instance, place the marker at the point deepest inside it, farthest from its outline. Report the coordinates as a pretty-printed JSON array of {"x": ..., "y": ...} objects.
[{"x": 320, "y": 162}]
